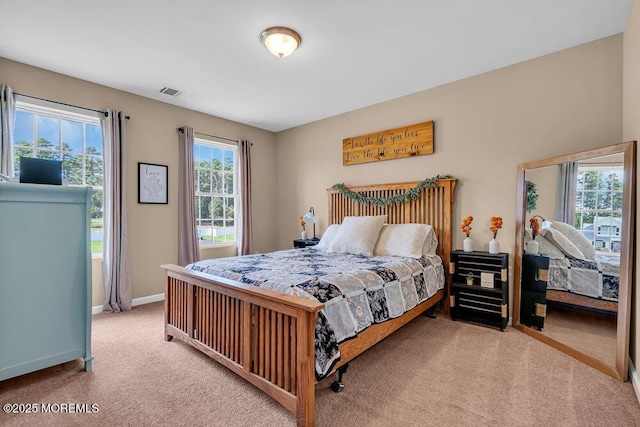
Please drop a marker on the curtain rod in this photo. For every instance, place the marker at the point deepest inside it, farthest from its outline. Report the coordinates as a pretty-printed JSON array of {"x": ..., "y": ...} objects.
[
  {"x": 214, "y": 136},
  {"x": 106, "y": 114},
  {"x": 210, "y": 136}
]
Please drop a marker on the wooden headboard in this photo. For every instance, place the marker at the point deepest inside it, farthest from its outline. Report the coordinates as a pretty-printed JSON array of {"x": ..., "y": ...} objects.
[{"x": 433, "y": 206}]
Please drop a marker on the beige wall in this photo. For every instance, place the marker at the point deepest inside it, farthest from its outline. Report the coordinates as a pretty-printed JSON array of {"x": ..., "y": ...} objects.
[
  {"x": 152, "y": 137},
  {"x": 484, "y": 127},
  {"x": 631, "y": 131}
]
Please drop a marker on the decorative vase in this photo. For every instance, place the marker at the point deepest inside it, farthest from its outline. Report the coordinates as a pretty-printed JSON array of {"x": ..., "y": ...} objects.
[
  {"x": 304, "y": 235},
  {"x": 531, "y": 247},
  {"x": 467, "y": 245},
  {"x": 494, "y": 246}
]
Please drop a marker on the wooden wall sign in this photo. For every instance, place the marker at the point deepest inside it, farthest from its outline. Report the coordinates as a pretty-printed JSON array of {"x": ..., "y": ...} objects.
[{"x": 414, "y": 140}]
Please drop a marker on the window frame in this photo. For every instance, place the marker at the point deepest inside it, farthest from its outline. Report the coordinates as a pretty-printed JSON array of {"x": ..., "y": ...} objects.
[
  {"x": 40, "y": 107},
  {"x": 235, "y": 195},
  {"x": 613, "y": 213}
]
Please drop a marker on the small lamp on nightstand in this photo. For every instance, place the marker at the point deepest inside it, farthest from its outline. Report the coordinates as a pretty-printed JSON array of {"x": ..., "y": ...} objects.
[
  {"x": 311, "y": 217},
  {"x": 545, "y": 223}
]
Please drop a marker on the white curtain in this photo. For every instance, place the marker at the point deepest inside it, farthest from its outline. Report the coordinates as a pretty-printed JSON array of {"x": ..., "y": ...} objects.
[
  {"x": 245, "y": 239},
  {"x": 188, "y": 242},
  {"x": 7, "y": 123},
  {"x": 117, "y": 275},
  {"x": 566, "y": 202}
]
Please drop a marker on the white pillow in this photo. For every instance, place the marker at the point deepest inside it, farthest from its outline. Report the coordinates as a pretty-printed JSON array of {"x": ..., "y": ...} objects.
[
  {"x": 430, "y": 243},
  {"x": 545, "y": 247},
  {"x": 405, "y": 240},
  {"x": 577, "y": 238},
  {"x": 327, "y": 237},
  {"x": 357, "y": 235},
  {"x": 561, "y": 241}
]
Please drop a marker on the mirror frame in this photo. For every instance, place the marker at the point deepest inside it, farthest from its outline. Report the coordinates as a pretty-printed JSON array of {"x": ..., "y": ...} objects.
[{"x": 620, "y": 370}]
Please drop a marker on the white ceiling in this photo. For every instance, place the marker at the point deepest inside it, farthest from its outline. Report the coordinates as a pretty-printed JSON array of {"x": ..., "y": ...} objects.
[{"x": 354, "y": 53}]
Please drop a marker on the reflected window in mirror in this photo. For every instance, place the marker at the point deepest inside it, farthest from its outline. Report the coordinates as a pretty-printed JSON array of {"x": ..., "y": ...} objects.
[
  {"x": 599, "y": 207},
  {"x": 588, "y": 196}
]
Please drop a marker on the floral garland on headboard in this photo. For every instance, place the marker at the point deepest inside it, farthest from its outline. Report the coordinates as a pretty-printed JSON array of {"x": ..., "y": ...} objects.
[{"x": 395, "y": 199}]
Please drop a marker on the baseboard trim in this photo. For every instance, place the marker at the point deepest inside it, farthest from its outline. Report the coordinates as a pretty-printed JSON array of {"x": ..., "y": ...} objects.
[
  {"x": 635, "y": 379},
  {"x": 147, "y": 299},
  {"x": 96, "y": 309}
]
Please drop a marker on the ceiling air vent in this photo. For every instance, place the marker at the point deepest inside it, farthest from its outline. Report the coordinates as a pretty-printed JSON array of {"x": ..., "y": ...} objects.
[{"x": 170, "y": 91}]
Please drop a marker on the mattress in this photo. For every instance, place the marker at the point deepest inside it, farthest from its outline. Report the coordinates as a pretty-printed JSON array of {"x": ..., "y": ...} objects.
[{"x": 595, "y": 279}]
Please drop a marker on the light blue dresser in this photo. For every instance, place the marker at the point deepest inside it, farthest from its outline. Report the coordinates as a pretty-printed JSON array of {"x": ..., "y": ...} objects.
[{"x": 45, "y": 277}]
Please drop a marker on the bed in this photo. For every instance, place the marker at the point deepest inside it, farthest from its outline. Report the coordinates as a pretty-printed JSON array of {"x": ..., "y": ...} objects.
[
  {"x": 268, "y": 337},
  {"x": 578, "y": 275},
  {"x": 590, "y": 284}
]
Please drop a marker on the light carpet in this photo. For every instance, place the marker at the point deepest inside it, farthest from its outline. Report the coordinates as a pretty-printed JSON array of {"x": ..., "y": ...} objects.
[{"x": 431, "y": 372}]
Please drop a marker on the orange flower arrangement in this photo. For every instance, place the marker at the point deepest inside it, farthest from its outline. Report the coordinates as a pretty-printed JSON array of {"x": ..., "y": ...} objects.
[
  {"x": 535, "y": 227},
  {"x": 466, "y": 225},
  {"x": 496, "y": 224},
  {"x": 302, "y": 223}
]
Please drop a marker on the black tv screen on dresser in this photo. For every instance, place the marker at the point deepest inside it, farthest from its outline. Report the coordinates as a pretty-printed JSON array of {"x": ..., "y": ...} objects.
[{"x": 40, "y": 171}]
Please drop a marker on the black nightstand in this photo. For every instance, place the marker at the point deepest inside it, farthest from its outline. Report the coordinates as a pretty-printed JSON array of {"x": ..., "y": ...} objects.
[
  {"x": 487, "y": 304},
  {"x": 300, "y": 243},
  {"x": 533, "y": 292}
]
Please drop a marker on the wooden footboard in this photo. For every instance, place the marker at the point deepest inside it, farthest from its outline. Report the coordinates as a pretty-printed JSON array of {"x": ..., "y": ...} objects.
[{"x": 264, "y": 336}]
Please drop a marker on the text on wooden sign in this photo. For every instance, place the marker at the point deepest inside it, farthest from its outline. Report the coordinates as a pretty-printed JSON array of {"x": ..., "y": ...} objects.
[{"x": 414, "y": 140}]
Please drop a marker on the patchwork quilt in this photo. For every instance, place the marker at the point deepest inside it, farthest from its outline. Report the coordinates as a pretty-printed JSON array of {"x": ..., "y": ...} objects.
[
  {"x": 357, "y": 290},
  {"x": 596, "y": 279}
]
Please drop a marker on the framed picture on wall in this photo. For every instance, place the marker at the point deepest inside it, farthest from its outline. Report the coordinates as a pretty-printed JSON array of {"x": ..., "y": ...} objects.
[{"x": 153, "y": 183}]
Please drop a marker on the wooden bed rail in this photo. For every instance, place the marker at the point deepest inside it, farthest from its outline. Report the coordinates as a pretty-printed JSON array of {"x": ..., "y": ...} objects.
[{"x": 265, "y": 337}]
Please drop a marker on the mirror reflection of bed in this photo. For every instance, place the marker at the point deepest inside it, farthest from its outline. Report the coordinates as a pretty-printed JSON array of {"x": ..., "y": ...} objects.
[
  {"x": 579, "y": 312},
  {"x": 582, "y": 204}
]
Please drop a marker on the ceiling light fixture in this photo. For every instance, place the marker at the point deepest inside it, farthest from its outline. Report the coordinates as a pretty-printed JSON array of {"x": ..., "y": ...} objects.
[{"x": 280, "y": 41}]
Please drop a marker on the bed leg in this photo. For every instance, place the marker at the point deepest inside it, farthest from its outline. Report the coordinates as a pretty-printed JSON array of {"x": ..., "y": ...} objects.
[
  {"x": 430, "y": 312},
  {"x": 167, "y": 337},
  {"x": 338, "y": 386}
]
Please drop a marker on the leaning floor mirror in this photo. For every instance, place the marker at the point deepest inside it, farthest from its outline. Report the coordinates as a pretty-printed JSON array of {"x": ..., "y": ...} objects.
[{"x": 574, "y": 254}]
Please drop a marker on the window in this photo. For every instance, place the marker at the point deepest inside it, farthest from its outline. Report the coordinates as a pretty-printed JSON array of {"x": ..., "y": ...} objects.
[
  {"x": 74, "y": 138},
  {"x": 217, "y": 198},
  {"x": 599, "y": 206}
]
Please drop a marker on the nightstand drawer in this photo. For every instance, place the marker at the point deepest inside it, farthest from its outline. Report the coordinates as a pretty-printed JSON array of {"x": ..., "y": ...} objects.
[
  {"x": 479, "y": 302},
  {"x": 476, "y": 307},
  {"x": 484, "y": 299}
]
